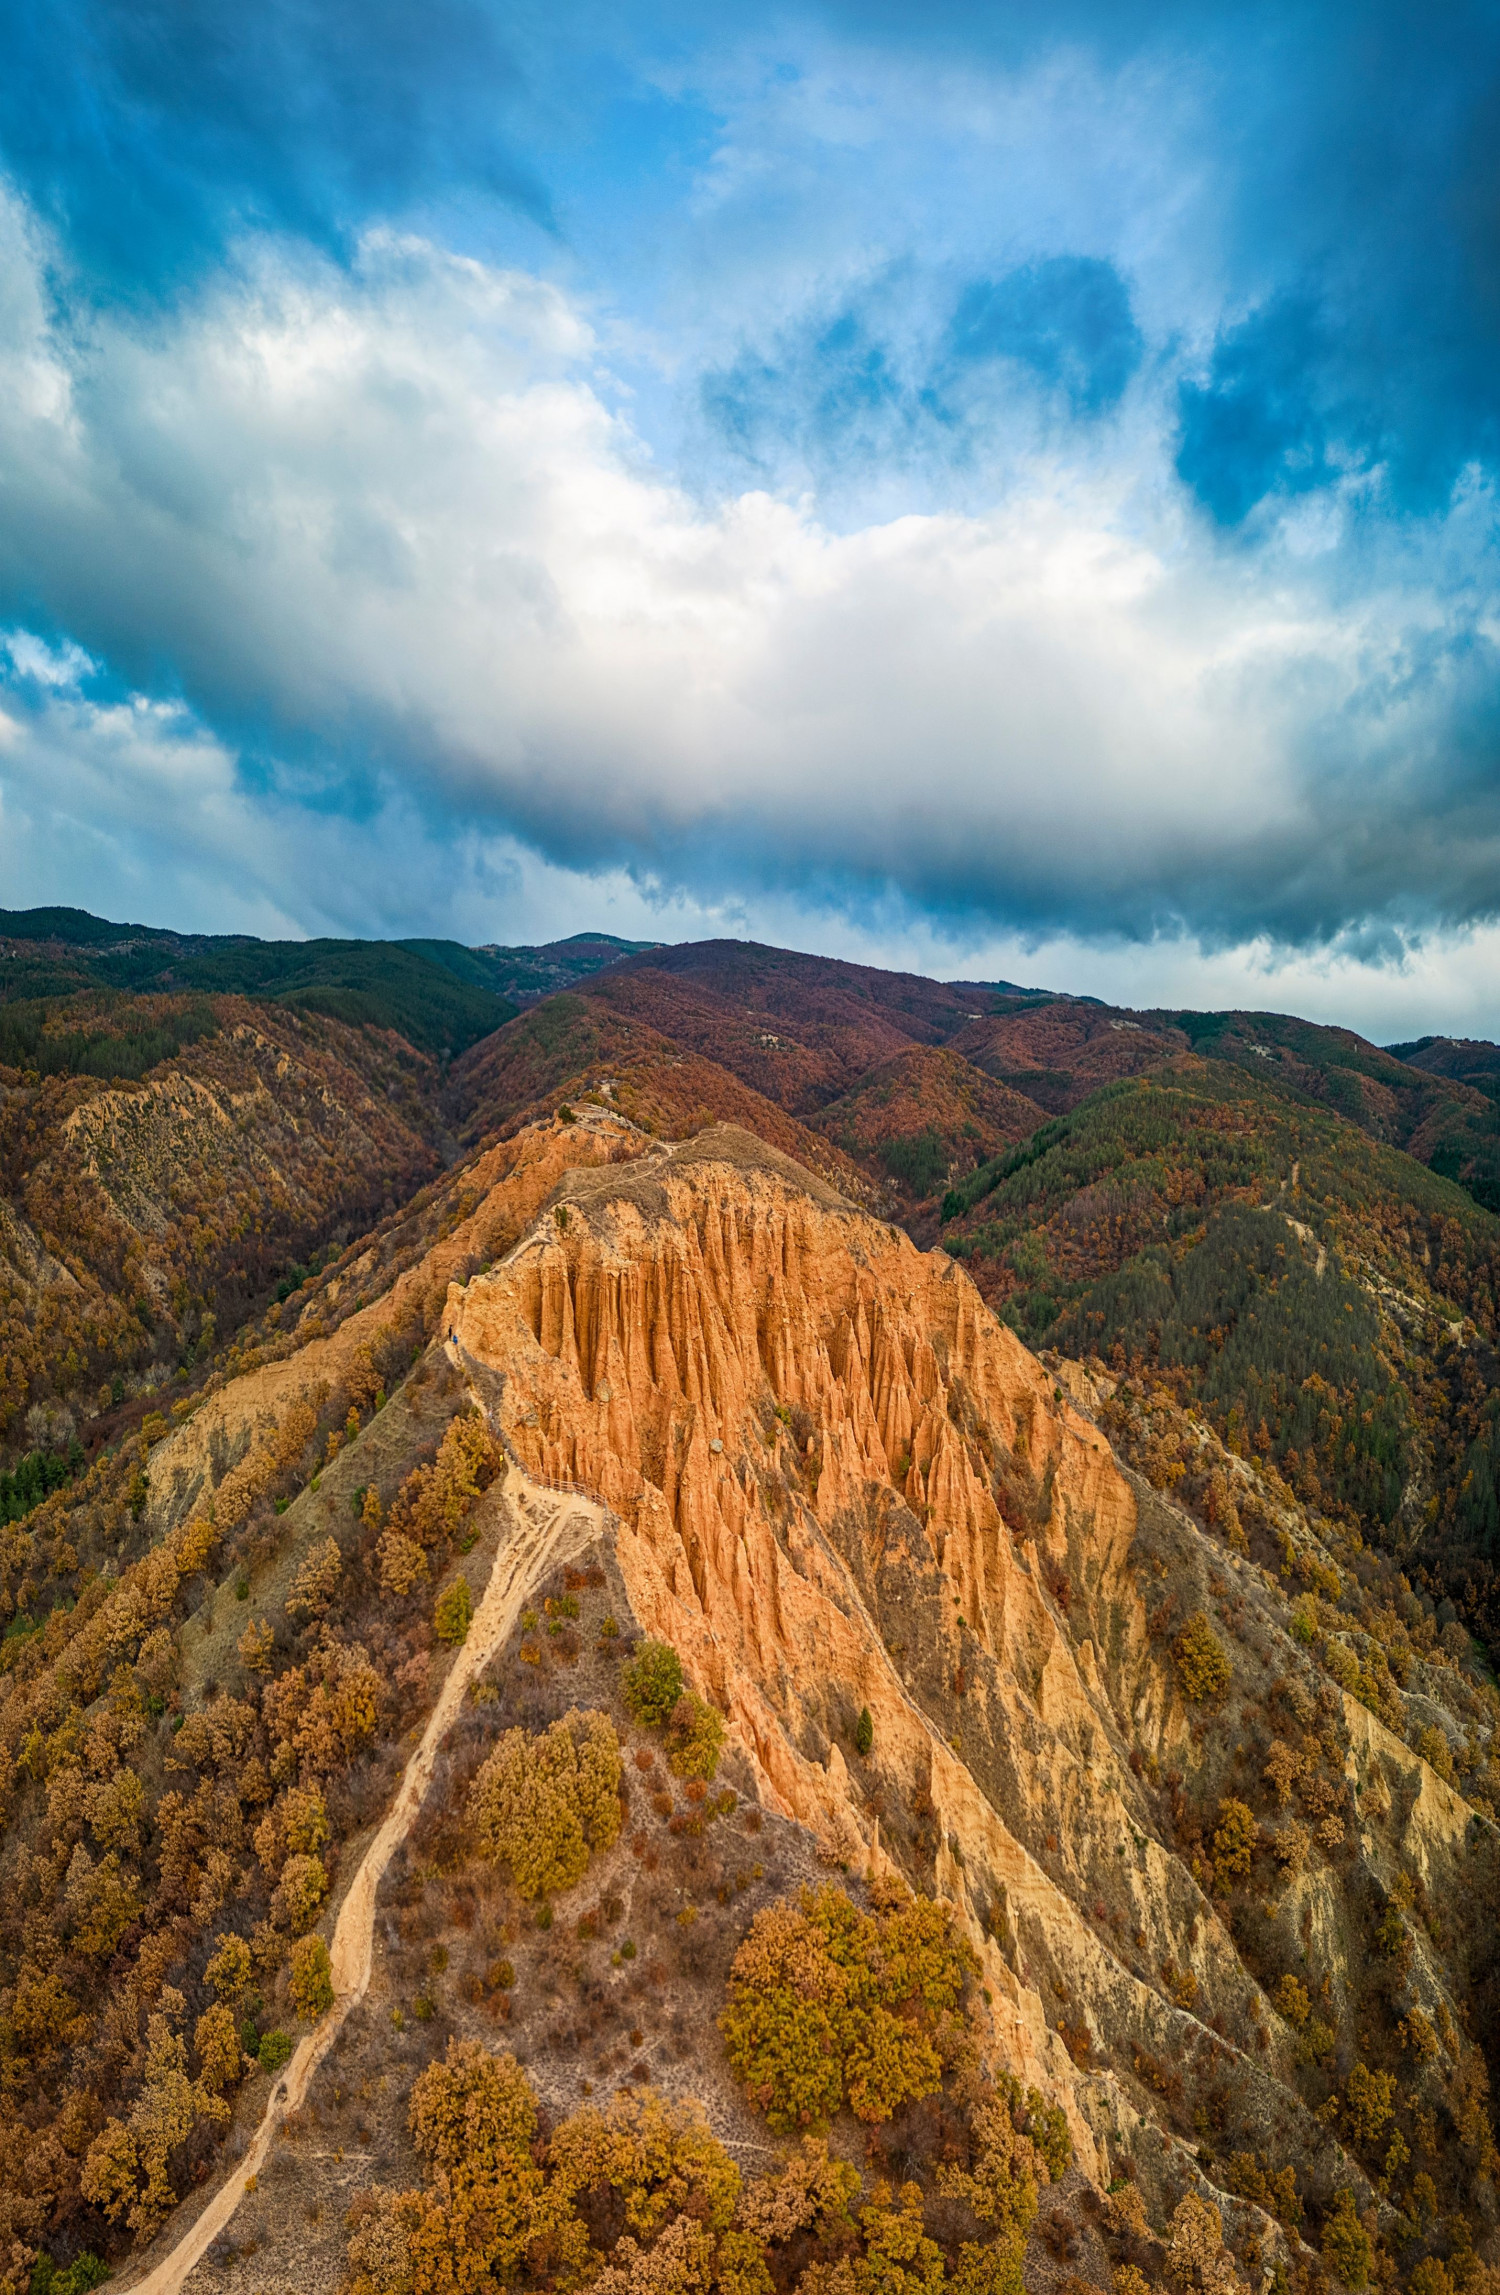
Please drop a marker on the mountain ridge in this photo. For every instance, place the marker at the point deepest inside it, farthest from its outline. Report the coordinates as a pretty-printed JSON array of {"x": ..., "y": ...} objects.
[
  {"x": 1012, "y": 1649},
  {"x": 939, "y": 1104}
]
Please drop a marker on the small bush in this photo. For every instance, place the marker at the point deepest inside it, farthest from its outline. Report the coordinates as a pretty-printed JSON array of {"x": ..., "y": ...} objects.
[
  {"x": 1292, "y": 2002},
  {"x": 652, "y": 1684},
  {"x": 1415, "y": 2031},
  {"x": 220, "y": 2056},
  {"x": 299, "y": 1892},
  {"x": 1342, "y": 1663},
  {"x": 275, "y": 2050},
  {"x": 864, "y": 1733},
  {"x": 316, "y": 1581},
  {"x": 81, "y": 2276},
  {"x": 1321, "y": 2042},
  {"x": 1202, "y": 1668},
  {"x": 453, "y": 1612},
  {"x": 544, "y": 1804},
  {"x": 257, "y": 1646},
  {"x": 1436, "y": 1752},
  {"x": 400, "y": 1563},
  {"x": 1347, "y": 2247},
  {"x": 312, "y": 1978},
  {"x": 1234, "y": 1842},
  {"x": 231, "y": 1968},
  {"x": 695, "y": 1738},
  {"x": 1368, "y": 2101}
]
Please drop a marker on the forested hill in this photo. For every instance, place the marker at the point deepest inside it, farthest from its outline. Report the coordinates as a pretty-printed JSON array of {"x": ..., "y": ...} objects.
[
  {"x": 312, "y": 1261},
  {"x": 1280, "y": 1224},
  {"x": 1328, "y": 1304},
  {"x": 440, "y": 996}
]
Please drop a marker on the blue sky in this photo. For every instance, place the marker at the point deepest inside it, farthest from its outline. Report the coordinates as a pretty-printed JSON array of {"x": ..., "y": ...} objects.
[{"x": 1010, "y": 490}]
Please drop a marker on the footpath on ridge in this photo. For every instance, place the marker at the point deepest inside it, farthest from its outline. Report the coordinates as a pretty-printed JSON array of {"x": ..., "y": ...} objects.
[{"x": 543, "y": 1524}]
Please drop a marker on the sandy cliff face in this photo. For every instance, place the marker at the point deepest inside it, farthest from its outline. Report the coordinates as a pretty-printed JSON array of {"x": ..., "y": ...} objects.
[
  {"x": 840, "y": 1483},
  {"x": 835, "y": 1481}
]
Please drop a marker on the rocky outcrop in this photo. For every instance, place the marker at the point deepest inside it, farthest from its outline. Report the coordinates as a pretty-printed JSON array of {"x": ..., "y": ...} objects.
[
  {"x": 836, "y": 1482},
  {"x": 841, "y": 1483}
]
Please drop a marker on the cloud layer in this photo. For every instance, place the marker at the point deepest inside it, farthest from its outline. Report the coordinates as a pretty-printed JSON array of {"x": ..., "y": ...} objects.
[{"x": 941, "y": 504}]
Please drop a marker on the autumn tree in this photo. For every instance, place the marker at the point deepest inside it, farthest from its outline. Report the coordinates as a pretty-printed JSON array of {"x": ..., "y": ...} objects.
[
  {"x": 217, "y": 2042},
  {"x": 312, "y": 1978},
  {"x": 1202, "y": 1668},
  {"x": 452, "y": 1613},
  {"x": 543, "y": 1805},
  {"x": 652, "y": 1683},
  {"x": 828, "y": 2004},
  {"x": 316, "y": 1582},
  {"x": 126, "y": 2170}
]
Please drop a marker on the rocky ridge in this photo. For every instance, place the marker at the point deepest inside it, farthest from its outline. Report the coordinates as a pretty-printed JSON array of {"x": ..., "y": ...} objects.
[
  {"x": 839, "y": 1482},
  {"x": 1230, "y": 1910}
]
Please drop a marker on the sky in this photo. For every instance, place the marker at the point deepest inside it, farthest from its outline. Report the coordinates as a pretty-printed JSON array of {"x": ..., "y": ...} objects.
[{"x": 1005, "y": 490}]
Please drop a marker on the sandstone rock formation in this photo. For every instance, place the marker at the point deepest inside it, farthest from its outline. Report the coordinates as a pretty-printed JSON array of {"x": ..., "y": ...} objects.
[
  {"x": 840, "y": 1483},
  {"x": 837, "y": 1483}
]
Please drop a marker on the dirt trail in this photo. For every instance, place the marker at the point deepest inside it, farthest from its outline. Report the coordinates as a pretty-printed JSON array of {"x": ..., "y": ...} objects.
[{"x": 546, "y": 1525}]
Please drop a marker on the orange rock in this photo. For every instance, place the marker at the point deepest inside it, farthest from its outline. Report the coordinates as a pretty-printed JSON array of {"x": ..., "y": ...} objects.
[{"x": 649, "y": 1331}]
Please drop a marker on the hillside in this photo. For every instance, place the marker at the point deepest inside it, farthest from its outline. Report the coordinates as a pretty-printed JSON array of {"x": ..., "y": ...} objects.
[
  {"x": 140, "y": 1236},
  {"x": 1057, "y": 1053},
  {"x": 1326, "y": 1301},
  {"x": 438, "y": 994},
  {"x": 1428, "y": 1106},
  {"x": 186, "y": 1120},
  {"x": 526, "y": 975},
  {"x": 52, "y": 954},
  {"x": 1196, "y": 1797},
  {"x": 140, "y": 1221},
  {"x": 928, "y": 1116}
]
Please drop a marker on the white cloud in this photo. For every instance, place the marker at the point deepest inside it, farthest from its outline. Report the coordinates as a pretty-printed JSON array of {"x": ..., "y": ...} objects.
[
  {"x": 432, "y": 606},
  {"x": 131, "y": 809}
]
